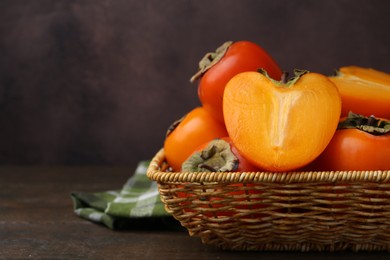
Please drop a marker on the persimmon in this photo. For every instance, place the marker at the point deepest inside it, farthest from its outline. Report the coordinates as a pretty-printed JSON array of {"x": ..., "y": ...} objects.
[
  {"x": 186, "y": 134},
  {"x": 364, "y": 91},
  {"x": 217, "y": 68},
  {"x": 360, "y": 143},
  {"x": 281, "y": 125}
]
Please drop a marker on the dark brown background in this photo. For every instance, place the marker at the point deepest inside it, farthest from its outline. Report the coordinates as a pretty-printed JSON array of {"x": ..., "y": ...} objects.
[{"x": 99, "y": 81}]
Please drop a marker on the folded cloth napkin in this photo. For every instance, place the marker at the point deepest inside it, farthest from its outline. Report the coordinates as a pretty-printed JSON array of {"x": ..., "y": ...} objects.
[{"x": 137, "y": 203}]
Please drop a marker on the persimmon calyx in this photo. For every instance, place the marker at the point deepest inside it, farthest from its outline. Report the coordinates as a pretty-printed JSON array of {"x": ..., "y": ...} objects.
[
  {"x": 371, "y": 124},
  {"x": 210, "y": 59},
  {"x": 216, "y": 157},
  {"x": 285, "y": 81},
  {"x": 173, "y": 126}
]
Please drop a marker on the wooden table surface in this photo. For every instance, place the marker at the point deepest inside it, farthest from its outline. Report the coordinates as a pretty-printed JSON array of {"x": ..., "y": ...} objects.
[{"x": 37, "y": 222}]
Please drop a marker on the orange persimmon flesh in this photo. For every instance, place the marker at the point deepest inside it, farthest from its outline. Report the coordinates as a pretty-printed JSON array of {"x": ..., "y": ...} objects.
[
  {"x": 363, "y": 91},
  {"x": 281, "y": 126}
]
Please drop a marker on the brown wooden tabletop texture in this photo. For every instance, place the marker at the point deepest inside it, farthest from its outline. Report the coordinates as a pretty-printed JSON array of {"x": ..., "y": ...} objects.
[{"x": 37, "y": 222}]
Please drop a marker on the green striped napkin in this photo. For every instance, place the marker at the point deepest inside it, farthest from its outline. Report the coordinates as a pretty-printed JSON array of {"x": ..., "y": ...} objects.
[{"x": 137, "y": 203}]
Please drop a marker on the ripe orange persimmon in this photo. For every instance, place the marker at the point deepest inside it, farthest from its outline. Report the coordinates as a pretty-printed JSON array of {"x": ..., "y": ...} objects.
[
  {"x": 278, "y": 125},
  {"x": 364, "y": 91},
  {"x": 185, "y": 135},
  {"x": 217, "y": 68},
  {"x": 360, "y": 143}
]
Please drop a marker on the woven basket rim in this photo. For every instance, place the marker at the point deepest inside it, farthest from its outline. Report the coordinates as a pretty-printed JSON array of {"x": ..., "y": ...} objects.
[{"x": 157, "y": 172}]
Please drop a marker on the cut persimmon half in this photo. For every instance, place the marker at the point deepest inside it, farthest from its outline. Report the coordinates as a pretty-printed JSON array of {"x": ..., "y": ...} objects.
[
  {"x": 364, "y": 91},
  {"x": 279, "y": 125}
]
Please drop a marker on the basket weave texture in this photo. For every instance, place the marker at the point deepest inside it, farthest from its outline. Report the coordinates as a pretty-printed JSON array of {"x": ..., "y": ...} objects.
[{"x": 297, "y": 211}]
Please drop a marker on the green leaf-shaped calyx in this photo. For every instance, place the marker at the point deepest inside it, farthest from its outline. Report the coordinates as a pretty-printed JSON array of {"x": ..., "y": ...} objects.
[
  {"x": 216, "y": 157},
  {"x": 285, "y": 81},
  {"x": 210, "y": 59},
  {"x": 371, "y": 124}
]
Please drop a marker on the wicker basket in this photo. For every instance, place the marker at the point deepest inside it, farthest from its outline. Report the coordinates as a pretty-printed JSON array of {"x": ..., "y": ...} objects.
[{"x": 297, "y": 211}]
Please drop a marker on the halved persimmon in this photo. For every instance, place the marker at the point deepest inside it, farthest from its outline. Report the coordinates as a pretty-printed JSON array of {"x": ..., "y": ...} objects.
[
  {"x": 278, "y": 125},
  {"x": 364, "y": 91}
]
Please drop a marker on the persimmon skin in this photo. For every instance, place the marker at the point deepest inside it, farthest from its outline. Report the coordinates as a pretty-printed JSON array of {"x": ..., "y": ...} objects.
[
  {"x": 241, "y": 56},
  {"x": 354, "y": 149},
  {"x": 196, "y": 128},
  {"x": 364, "y": 91},
  {"x": 244, "y": 165},
  {"x": 279, "y": 128}
]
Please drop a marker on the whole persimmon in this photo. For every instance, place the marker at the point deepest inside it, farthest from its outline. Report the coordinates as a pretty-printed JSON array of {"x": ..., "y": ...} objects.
[
  {"x": 281, "y": 125},
  {"x": 186, "y": 134},
  {"x": 217, "y": 68},
  {"x": 360, "y": 143}
]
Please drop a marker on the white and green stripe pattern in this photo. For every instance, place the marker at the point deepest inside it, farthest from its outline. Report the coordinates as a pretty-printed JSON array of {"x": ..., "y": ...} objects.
[{"x": 139, "y": 198}]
